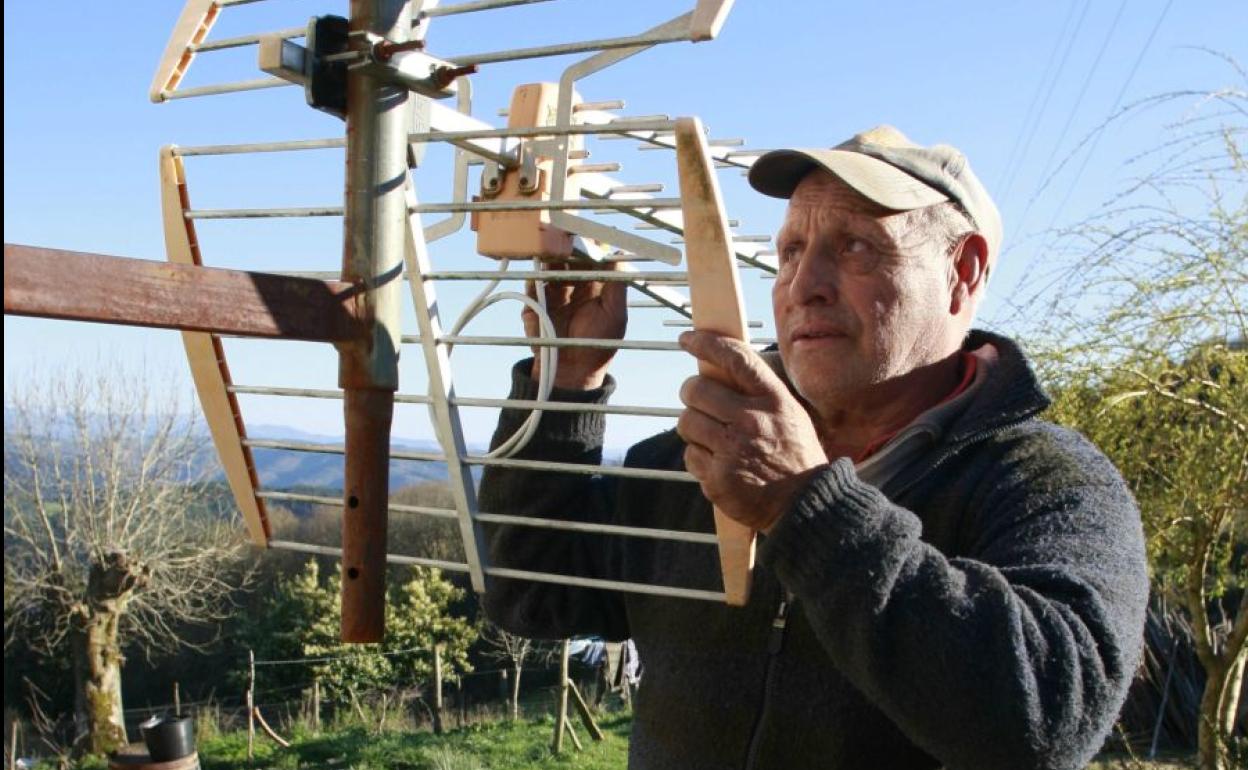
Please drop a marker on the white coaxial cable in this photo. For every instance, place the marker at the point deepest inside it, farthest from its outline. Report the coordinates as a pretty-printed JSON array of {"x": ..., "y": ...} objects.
[{"x": 547, "y": 356}]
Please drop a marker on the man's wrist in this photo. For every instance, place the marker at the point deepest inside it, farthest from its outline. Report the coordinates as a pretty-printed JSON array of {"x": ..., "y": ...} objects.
[
  {"x": 787, "y": 495},
  {"x": 568, "y": 378}
]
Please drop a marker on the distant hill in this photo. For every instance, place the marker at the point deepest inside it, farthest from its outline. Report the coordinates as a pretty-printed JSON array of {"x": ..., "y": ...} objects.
[{"x": 285, "y": 469}]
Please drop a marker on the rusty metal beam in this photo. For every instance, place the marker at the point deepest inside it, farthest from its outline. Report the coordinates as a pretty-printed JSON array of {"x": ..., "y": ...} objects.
[{"x": 79, "y": 286}]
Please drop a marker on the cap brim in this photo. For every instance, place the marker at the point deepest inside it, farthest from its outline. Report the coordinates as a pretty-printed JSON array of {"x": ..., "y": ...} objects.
[{"x": 778, "y": 172}]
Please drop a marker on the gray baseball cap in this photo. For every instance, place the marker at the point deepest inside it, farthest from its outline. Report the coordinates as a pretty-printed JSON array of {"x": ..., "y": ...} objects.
[{"x": 889, "y": 169}]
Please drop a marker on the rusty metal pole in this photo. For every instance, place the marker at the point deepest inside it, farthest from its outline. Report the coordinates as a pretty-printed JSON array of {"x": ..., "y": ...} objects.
[{"x": 375, "y": 218}]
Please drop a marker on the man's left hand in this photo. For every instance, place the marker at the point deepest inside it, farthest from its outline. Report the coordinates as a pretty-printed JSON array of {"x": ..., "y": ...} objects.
[{"x": 750, "y": 443}]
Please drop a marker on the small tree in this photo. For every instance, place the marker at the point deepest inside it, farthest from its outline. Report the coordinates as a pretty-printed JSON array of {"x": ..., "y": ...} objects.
[
  {"x": 1144, "y": 346},
  {"x": 514, "y": 651},
  {"x": 109, "y": 539},
  {"x": 300, "y": 620}
]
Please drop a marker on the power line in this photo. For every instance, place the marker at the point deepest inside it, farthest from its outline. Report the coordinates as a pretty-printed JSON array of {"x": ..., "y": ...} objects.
[
  {"x": 1112, "y": 112},
  {"x": 1035, "y": 97},
  {"x": 1031, "y": 133},
  {"x": 1070, "y": 118}
]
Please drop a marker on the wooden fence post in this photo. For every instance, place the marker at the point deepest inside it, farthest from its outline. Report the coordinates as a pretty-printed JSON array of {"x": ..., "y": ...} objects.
[
  {"x": 269, "y": 731},
  {"x": 463, "y": 702},
  {"x": 571, "y": 731},
  {"x": 316, "y": 704},
  {"x": 177, "y": 699},
  {"x": 586, "y": 715},
  {"x": 251, "y": 704},
  {"x": 13, "y": 743},
  {"x": 561, "y": 715},
  {"x": 437, "y": 689}
]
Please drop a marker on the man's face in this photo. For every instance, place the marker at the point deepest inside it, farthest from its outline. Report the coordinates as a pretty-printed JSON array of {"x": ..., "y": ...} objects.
[{"x": 862, "y": 295}]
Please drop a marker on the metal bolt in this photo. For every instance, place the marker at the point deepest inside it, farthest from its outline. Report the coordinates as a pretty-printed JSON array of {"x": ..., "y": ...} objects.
[
  {"x": 386, "y": 49},
  {"x": 444, "y": 76}
]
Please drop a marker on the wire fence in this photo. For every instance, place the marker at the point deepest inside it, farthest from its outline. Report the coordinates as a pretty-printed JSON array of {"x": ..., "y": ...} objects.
[
  {"x": 291, "y": 710},
  {"x": 486, "y": 693}
]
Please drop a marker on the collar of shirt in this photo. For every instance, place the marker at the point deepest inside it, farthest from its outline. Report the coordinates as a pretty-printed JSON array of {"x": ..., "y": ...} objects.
[{"x": 968, "y": 364}]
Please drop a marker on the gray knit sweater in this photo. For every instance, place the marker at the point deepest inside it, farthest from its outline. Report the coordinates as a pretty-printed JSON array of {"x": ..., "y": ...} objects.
[{"x": 981, "y": 609}]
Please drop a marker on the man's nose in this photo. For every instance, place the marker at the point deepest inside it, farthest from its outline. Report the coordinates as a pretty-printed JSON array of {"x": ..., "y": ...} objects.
[{"x": 814, "y": 279}]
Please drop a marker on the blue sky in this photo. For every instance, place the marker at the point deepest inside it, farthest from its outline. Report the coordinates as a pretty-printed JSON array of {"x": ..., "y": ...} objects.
[{"x": 1015, "y": 84}]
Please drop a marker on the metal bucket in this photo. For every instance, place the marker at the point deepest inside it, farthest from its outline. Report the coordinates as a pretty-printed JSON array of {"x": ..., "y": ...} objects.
[{"x": 169, "y": 737}]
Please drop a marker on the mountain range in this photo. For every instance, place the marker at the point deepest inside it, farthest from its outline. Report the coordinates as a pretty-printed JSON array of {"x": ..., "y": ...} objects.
[{"x": 286, "y": 469}]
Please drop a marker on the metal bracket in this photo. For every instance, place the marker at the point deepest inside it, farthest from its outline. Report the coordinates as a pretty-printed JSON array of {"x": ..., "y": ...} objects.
[
  {"x": 523, "y": 158},
  {"x": 326, "y": 84},
  {"x": 491, "y": 179},
  {"x": 332, "y": 50},
  {"x": 530, "y": 176},
  {"x": 422, "y": 120},
  {"x": 403, "y": 64}
]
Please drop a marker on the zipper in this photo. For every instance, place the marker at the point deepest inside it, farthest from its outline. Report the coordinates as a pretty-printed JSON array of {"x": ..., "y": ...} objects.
[
  {"x": 971, "y": 440},
  {"x": 775, "y": 643}
]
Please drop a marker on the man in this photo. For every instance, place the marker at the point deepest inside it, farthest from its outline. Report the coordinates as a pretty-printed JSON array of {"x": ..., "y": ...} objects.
[{"x": 944, "y": 579}]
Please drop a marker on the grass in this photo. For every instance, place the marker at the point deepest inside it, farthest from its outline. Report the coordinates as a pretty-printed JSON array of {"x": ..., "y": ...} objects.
[
  {"x": 1129, "y": 763},
  {"x": 501, "y": 745},
  {"x": 521, "y": 745}
]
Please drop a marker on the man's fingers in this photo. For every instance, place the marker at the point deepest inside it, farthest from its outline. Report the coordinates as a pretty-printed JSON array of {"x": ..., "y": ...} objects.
[
  {"x": 714, "y": 398},
  {"x": 698, "y": 461},
  {"x": 699, "y": 428},
  {"x": 615, "y": 299},
  {"x": 744, "y": 368}
]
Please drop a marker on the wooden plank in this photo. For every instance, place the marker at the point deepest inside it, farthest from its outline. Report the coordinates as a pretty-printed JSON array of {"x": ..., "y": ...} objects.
[
  {"x": 528, "y": 234},
  {"x": 192, "y": 27},
  {"x": 708, "y": 18},
  {"x": 715, "y": 294},
  {"x": 207, "y": 360},
  {"x": 79, "y": 286}
]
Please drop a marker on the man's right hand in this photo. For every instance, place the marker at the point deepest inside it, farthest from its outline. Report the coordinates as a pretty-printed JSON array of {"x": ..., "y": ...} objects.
[{"x": 580, "y": 309}]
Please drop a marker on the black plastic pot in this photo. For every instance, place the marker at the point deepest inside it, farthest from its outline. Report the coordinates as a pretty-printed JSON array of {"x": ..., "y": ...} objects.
[{"x": 169, "y": 737}]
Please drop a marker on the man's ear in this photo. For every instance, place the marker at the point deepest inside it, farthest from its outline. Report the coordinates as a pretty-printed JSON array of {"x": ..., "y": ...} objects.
[{"x": 969, "y": 275}]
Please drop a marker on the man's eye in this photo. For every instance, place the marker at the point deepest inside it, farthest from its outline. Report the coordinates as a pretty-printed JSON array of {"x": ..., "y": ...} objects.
[
  {"x": 858, "y": 256},
  {"x": 788, "y": 254}
]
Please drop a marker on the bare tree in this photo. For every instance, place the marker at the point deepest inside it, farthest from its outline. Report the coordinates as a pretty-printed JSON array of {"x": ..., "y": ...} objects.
[
  {"x": 110, "y": 538},
  {"x": 514, "y": 651},
  {"x": 1145, "y": 345}
]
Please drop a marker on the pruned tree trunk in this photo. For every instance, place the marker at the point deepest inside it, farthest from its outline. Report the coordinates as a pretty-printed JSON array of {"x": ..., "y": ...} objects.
[
  {"x": 111, "y": 541},
  {"x": 98, "y": 692},
  {"x": 515, "y": 692},
  {"x": 97, "y": 652},
  {"x": 1219, "y": 707},
  {"x": 1224, "y": 665},
  {"x": 1232, "y": 692}
]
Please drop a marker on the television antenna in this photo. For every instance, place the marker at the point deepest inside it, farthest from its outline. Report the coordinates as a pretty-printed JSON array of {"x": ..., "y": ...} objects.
[{"x": 533, "y": 194}]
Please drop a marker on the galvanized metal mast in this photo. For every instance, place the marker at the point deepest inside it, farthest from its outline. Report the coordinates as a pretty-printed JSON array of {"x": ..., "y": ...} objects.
[{"x": 375, "y": 218}]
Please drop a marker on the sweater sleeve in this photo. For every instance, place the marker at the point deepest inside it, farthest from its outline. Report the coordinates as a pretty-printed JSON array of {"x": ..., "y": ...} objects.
[
  {"x": 1016, "y": 653},
  {"x": 544, "y": 610}
]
